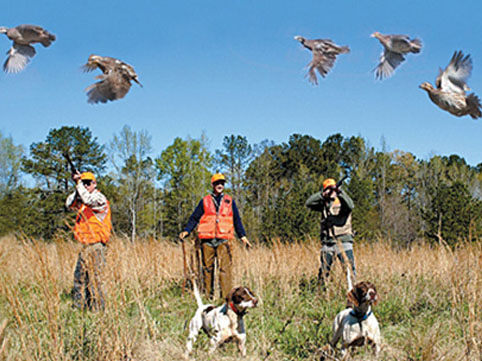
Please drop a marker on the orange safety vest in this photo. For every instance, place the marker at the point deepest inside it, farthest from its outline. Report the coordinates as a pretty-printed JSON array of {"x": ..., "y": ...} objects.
[
  {"x": 217, "y": 224},
  {"x": 89, "y": 229}
]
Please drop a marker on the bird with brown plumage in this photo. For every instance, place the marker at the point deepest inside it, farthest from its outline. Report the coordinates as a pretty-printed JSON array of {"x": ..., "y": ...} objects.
[
  {"x": 23, "y": 36},
  {"x": 115, "y": 80},
  {"x": 451, "y": 86},
  {"x": 324, "y": 53},
  {"x": 394, "y": 49}
]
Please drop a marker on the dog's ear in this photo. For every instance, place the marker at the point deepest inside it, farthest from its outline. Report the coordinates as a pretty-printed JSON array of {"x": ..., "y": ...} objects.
[
  {"x": 352, "y": 298},
  {"x": 229, "y": 297}
]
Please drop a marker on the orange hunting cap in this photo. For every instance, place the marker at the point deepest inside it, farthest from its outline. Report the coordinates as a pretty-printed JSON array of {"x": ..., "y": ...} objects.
[
  {"x": 218, "y": 177},
  {"x": 87, "y": 176},
  {"x": 329, "y": 182}
]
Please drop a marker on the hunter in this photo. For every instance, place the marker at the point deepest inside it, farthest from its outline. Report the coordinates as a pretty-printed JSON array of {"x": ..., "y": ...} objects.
[
  {"x": 218, "y": 218},
  {"x": 92, "y": 229},
  {"x": 336, "y": 208}
]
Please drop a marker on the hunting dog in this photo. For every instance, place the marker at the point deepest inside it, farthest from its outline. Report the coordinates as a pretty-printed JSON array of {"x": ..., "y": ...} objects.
[
  {"x": 357, "y": 325},
  {"x": 222, "y": 323}
]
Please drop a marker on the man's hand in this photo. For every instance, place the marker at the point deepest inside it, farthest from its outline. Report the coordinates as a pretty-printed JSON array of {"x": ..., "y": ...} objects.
[
  {"x": 245, "y": 240},
  {"x": 183, "y": 235},
  {"x": 76, "y": 177}
]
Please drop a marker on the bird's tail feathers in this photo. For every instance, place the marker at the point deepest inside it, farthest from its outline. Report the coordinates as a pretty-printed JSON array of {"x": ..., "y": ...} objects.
[
  {"x": 473, "y": 103},
  {"x": 344, "y": 49}
]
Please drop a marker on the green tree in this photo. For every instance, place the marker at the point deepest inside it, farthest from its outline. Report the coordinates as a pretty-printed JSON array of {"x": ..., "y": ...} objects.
[
  {"x": 452, "y": 213},
  {"x": 10, "y": 163},
  {"x": 233, "y": 160},
  {"x": 184, "y": 168},
  {"x": 47, "y": 165}
]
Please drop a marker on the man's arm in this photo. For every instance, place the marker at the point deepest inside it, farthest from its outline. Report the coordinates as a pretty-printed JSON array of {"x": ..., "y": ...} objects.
[
  {"x": 315, "y": 202},
  {"x": 238, "y": 225},
  {"x": 71, "y": 200},
  {"x": 194, "y": 218},
  {"x": 95, "y": 200},
  {"x": 346, "y": 202}
]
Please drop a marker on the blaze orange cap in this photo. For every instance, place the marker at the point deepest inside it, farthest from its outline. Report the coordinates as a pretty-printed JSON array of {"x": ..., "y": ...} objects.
[
  {"x": 87, "y": 176},
  {"x": 328, "y": 182},
  {"x": 218, "y": 177}
]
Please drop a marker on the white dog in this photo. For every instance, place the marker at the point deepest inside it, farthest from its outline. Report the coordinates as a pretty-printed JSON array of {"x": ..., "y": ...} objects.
[
  {"x": 357, "y": 325},
  {"x": 222, "y": 323}
]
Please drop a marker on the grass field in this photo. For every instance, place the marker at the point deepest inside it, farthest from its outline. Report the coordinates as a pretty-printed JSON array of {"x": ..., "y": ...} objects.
[{"x": 430, "y": 306}]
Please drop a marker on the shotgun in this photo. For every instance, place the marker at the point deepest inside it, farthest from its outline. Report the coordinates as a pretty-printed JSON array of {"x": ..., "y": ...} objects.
[{"x": 69, "y": 161}]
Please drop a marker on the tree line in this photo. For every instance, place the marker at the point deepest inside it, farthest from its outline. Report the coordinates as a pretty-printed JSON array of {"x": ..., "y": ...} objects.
[{"x": 397, "y": 196}]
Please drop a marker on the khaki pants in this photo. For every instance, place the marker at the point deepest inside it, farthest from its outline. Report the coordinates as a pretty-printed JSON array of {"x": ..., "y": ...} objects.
[
  {"x": 225, "y": 260},
  {"x": 88, "y": 288}
]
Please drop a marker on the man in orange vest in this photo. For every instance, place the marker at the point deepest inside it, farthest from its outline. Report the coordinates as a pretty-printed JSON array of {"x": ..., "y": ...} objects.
[
  {"x": 92, "y": 229},
  {"x": 218, "y": 218}
]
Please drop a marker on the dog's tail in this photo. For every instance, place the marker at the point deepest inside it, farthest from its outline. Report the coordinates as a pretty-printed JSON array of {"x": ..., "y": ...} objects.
[
  {"x": 197, "y": 294},
  {"x": 348, "y": 278}
]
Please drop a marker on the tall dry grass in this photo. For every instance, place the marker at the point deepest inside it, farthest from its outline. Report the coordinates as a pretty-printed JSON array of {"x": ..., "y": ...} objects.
[{"x": 429, "y": 309}]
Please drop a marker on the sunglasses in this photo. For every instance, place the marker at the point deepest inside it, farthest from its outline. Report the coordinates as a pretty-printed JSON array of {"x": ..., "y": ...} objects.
[
  {"x": 87, "y": 182},
  {"x": 218, "y": 182}
]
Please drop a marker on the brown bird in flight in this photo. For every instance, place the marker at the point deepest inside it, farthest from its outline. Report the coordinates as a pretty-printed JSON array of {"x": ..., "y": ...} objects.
[
  {"x": 115, "y": 80},
  {"x": 324, "y": 52},
  {"x": 394, "y": 49},
  {"x": 22, "y": 51},
  {"x": 451, "y": 86}
]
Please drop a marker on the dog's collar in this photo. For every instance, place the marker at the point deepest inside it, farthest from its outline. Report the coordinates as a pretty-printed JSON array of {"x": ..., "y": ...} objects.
[
  {"x": 236, "y": 311},
  {"x": 360, "y": 317}
]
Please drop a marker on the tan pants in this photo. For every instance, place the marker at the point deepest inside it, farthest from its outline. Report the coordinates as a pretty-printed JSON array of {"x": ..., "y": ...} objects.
[
  {"x": 88, "y": 291},
  {"x": 225, "y": 261}
]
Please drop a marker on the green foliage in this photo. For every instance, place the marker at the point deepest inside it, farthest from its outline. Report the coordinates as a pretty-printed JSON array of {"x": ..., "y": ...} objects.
[
  {"x": 396, "y": 195},
  {"x": 48, "y": 166},
  {"x": 184, "y": 169},
  {"x": 452, "y": 214},
  {"x": 10, "y": 163}
]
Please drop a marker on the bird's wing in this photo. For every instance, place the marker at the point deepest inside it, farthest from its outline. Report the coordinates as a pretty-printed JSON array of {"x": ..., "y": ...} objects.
[
  {"x": 18, "y": 58},
  {"x": 321, "y": 62},
  {"x": 101, "y": 91},
  {"x": 113, "y": 86},
  {"x": 388, "y": 62},
  {"x": 120, "y": 83},
  {"x": 454, "y": 77}
]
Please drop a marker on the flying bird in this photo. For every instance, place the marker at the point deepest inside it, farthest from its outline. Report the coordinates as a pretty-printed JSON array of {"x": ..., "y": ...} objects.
[
  {"x": 23, "y": 36},
  {"x": 115, "y": 80},
  {"x": 451, "y": 85},
  {"x": 324, "y": 52},
  {"x": 394, "y": 49}
]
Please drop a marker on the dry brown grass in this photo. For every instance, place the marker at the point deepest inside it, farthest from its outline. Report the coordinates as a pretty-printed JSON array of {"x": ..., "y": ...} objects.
[{"x": 430, "y": 308}]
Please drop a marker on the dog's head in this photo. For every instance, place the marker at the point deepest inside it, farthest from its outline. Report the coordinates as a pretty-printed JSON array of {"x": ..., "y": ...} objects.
[
  {"x": 242, "y": 298},
  {"x": 362, "y": 292}
]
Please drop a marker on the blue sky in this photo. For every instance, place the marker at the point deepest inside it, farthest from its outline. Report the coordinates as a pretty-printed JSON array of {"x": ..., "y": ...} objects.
[{"x": 233, "y": 67}]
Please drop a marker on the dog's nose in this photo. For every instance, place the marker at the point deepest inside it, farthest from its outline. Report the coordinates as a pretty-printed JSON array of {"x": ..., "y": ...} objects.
[{"x": 255, "y": 301}]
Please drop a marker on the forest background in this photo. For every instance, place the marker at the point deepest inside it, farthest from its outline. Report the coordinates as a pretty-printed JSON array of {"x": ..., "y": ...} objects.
[{"x": 398, "y": 197}]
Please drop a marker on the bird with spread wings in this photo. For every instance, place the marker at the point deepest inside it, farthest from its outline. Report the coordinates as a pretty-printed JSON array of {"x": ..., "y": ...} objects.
[
  {"x": 115, "y": 80},
  {"x": 395, "y": 47},
  {"x": 324, "y": 52},
  {"x": 23, "y": 36},
  {"x": 451, "y": 86}
]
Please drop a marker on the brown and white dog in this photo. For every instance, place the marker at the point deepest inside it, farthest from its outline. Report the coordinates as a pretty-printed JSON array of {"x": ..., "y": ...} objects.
[
  {"x": 222, "y": 323},
  {"x": 357, "y": 325}
]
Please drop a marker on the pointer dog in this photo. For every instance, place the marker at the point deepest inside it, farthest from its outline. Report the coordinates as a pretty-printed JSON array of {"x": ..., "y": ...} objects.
[
  {"x": 222, "y": 323},
  {"x": 357, "y": 325}
]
